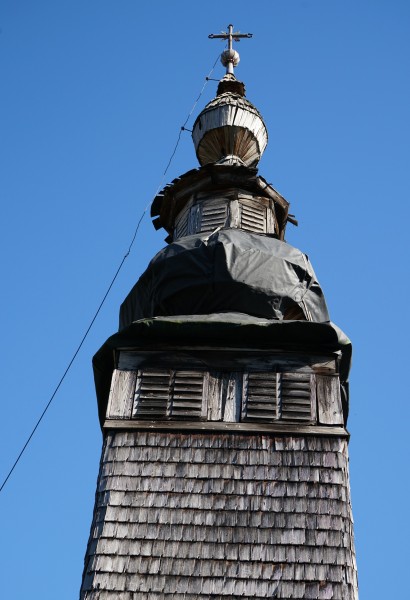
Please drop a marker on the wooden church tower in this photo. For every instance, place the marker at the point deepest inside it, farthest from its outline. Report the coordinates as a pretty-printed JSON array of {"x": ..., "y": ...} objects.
[{"x": 223, "y": 398}]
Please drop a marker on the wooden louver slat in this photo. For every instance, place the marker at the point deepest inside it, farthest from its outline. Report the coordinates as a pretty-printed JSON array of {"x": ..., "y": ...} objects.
[
  {"x": 213, "y": 215},
  {"x": 151, "y": 394},
  {"x": 187, "y": 395},
  {"x": 164, "y": 394},
  {"x": 253, "y": 218},
  {"x": 266, "y": 397},
  {"x": 182, "y": 228},
  {"x": 272, "y": 396},
  {"x": 260, "y": 397},
  {"x": 182, "y": 224},
  {"x": 295, "y": 397}
]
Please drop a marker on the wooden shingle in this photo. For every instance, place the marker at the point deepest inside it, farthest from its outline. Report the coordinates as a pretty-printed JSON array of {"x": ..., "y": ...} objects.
[{"x": 214, "y": 516}]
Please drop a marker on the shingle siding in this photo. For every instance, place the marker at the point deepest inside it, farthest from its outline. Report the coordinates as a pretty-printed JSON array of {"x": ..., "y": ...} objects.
[{"x": 214, "y": 516}]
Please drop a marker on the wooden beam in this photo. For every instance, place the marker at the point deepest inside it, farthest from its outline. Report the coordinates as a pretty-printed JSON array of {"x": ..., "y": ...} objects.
[{"x": 275, "y": 428}]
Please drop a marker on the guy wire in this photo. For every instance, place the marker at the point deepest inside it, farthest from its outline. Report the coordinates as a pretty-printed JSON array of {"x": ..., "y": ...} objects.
[{"x": 109, "y": 287}]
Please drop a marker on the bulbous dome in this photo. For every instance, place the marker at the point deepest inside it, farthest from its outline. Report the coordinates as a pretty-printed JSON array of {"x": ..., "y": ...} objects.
[{"x": 229, "y": 125}]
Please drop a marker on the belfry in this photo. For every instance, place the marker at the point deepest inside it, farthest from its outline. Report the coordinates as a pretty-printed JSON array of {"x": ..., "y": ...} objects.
[{"x": 223, "y": 398}]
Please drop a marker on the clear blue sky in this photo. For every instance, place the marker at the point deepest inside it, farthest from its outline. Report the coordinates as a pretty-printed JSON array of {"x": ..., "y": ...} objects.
[{"x": 93, "y": 96}]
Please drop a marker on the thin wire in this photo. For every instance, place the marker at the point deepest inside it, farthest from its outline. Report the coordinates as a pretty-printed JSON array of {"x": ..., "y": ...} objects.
[
  {"x": 124, "y": 258},
  {"x": 202, "y": 90},
  {"x": 183, "y": 128}
]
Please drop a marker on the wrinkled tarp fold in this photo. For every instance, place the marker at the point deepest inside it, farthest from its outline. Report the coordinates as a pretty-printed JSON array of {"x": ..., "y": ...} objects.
[{"x": 229, "y": 270}]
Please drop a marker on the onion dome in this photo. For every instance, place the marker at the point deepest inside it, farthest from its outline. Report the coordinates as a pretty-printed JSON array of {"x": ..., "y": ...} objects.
[
  {"x": 230, "y": 129},
  {"x": 230, "y": 126}
]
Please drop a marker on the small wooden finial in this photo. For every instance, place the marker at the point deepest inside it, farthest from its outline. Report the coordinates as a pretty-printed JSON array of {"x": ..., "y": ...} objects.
[{"x": 230, "y": 57}]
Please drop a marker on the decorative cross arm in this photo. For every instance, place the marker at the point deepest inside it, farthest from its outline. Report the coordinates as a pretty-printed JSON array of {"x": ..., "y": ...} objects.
[{"x": 230, "y": 57}]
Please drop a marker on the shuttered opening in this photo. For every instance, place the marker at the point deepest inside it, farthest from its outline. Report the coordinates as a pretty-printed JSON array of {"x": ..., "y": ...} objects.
[
  {"x": 260, "y": 397},
  {"x": 181, "y": 225},
  {"x": 213, "y": 215},
  {"x": 266, "y": 396},
  {"x": 295, "y": 397},
  {"x": 151, "y": 394},
  {"x": 187, "y": 394},
  {"x": 201, "y": 218},
  {"x": 253, "y": 217},
  {"x": 208, "y": 214},
  {"x": 161, "y": 394},
  {"x": 271, "y": 396}
]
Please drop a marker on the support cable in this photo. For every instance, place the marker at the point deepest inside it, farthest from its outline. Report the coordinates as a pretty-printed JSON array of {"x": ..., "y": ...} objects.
[{"x": 124, "y": 258}]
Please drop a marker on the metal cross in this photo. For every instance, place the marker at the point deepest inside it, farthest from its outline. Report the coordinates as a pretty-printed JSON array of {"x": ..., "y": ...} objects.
[{"x": 230, "y": 58}]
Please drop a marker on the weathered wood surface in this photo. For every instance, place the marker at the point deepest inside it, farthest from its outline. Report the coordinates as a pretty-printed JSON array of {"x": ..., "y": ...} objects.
[
  {"x": 229, "y": 125},
  {"x": 224, "y": 358},
  {"x": 121, "y": 394},
  {"x": 201, "y": 516},
  {"x": 253, "y": 396},
  {"x": 223, "y": 396},
  {"x": 278, "y": 427},
  {"x": 215, "y": 385},
  {"x": 162, "y": 394},
  {"x": 237, "y": 210},
  {"x": 329, "y": 400},
  {"x": 224, "y": 181},
  {"x": 260, "y": 397}
]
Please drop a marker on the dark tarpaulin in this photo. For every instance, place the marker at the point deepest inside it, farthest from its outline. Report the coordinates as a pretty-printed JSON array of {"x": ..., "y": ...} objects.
[
  {"x": 228, "y": 270},
  {"x": 221, "y": 330}
]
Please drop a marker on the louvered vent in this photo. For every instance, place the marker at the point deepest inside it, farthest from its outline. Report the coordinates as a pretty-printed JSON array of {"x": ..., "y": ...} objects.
[
  {"x": 187, "y": 394},
  {"x": 271, "y": 397},
  {"x": 152, "y": 394},
  {"x": 266, "y": 397},
  {"x": 253, "y": 218},
  {"x": 295, "y": 397},
  {"x": 181, "y": 225},
  {"x": 213, "y": 215},
  {"x": 260, "y": 400},
  {"x": 161, "y": 394}
]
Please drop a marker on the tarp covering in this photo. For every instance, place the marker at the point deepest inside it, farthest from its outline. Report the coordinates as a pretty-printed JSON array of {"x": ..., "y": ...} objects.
[
  {"x": 229, "y": 270},
  {"x": 222, "y": 330}
]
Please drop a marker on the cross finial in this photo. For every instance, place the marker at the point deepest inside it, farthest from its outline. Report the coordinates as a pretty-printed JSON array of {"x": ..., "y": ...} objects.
[{"x": 230, "y": 57}]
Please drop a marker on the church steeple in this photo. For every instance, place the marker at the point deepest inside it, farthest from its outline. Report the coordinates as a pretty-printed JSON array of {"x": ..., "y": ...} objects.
[{"x": 223, "y": 398}]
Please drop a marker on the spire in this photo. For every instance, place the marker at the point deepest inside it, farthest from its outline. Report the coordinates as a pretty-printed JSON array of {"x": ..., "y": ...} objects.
[{"x": 230, "y": 57}]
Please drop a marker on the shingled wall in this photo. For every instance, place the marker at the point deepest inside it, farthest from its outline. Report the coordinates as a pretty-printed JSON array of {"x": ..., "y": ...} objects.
[{"x": 188, "y": 516}]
